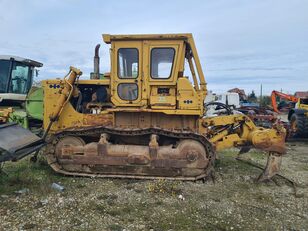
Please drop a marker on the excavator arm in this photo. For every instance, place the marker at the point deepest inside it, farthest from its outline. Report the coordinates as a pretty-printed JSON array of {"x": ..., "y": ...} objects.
[
  {"x": 239, "y": 131},
  {"x": 281, "y": 95}
]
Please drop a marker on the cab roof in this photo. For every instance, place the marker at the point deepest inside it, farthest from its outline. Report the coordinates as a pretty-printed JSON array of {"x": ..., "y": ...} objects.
[
  {"x": 20, "y": 59},
  {"x": 108, "y": 38}
]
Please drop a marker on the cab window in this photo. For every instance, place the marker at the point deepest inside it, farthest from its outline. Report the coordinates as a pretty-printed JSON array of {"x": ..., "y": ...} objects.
[
  {"x": 128, "y": 91},
  {"x": 4, "y": 75},
  {"x": 20, "y": 79},
  {"x": 128, "y": 63},
  {"x": 162, "y": 62}
]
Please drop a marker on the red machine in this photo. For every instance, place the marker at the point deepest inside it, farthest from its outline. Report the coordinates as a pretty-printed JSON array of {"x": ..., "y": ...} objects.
[{"x": 281, "y": 95}]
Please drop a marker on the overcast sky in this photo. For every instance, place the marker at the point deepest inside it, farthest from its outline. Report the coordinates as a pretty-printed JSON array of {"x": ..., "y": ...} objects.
[{"x": 240, "y": 43}]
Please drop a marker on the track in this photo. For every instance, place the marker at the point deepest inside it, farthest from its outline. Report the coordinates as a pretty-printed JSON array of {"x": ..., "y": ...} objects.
[{"x": 96, "y": 131}]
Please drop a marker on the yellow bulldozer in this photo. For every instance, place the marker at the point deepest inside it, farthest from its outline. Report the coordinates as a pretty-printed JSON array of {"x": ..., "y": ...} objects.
[{"x": 144, "y": 119}]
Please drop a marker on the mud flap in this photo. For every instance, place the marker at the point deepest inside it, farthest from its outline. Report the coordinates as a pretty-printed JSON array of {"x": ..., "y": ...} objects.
[
  {"x": 272, "y": 167},
  {"x": 17, "y": 142}
]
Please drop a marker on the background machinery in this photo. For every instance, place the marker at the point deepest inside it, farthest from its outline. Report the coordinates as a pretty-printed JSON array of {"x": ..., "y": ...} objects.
[
  {"x": 297, "y": 114},
  {"x": 20, "y": 101},
  {"x": 230, "y": 99},
  {"x": 281, "y": 95},
  {"x": 144, "y": 119}
]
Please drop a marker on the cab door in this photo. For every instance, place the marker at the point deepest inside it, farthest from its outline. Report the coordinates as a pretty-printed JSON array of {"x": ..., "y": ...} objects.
[
  {"x": 126, "y": 73},
  {"x": 162, "y": 65}
]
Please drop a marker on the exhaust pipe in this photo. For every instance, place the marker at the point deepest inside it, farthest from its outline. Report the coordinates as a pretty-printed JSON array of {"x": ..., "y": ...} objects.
[{"x": 95, "y": 74}]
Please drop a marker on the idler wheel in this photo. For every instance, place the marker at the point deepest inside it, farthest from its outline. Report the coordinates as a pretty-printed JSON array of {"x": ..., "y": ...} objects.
[{"x": 66, "y": 141}]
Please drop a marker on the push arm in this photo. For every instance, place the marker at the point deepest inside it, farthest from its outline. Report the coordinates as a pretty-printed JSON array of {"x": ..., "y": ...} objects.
[
  {"x": 239, "y": 131},
  {"x": 66, "y": 92}
]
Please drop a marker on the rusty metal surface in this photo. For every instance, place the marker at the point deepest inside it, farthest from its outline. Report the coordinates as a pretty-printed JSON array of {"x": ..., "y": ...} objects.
[
  {"x": 102, "y": 158},
  {"x": 188, "y": 154},
  {"x": 272, "y": 167},
  {"x": 274, "y": 142},
  {"x": 278, "y": 147},
  {"x": 97, "y": 120},
  {"x": 191, "y": 159},
  {"x": 141, "y": 119}
]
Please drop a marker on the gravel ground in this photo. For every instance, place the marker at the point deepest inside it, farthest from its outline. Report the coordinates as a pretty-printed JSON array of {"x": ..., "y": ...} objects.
[{"x": 233, "y": 202}]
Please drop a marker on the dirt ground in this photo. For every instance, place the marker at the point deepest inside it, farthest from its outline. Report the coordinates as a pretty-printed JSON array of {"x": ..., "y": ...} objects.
[{"x": 233, "y": 202}]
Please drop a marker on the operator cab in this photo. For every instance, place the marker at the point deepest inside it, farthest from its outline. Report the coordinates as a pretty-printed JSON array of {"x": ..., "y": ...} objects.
[
  {"x": 16, "y": 77},
  {"x": 147, "y": 73}
]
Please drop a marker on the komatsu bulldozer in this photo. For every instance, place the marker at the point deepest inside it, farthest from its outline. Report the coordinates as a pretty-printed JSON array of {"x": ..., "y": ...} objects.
[{"x": 145, "y": 119}]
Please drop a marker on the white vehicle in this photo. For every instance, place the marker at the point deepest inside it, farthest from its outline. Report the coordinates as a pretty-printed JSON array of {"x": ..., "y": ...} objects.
[
  {"x": 16, "y": 79},
  {"x": 231, "y": 99}
]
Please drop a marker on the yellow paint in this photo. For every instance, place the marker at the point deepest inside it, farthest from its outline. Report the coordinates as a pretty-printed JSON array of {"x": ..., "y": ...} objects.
[{"x": 175, "y": 95}]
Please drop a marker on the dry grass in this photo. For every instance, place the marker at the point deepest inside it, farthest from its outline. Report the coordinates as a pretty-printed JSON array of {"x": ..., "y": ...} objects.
[{"x": 234, "y": 202}]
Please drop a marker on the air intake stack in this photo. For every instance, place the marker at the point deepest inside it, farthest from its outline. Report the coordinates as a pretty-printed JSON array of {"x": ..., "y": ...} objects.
[{"x": 96, "y": 74}]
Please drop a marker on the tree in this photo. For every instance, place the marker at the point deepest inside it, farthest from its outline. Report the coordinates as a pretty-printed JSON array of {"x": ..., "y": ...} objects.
[
  {"x": 265, "y": 101},
  {"x": 252, "y": 97}
]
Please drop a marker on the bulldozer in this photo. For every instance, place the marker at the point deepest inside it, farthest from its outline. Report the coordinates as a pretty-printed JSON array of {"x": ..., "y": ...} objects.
[{"x": 144, "y": 119}]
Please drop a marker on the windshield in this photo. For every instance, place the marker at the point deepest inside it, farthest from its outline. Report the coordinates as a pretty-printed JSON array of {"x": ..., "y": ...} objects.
[
  {"x": 20, "y": 80},
  {"x": 4, "y": 75}
]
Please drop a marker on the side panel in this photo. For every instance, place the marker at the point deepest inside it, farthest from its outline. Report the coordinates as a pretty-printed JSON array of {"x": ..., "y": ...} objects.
[
  {"x": 34, "y": 103},
  {"x": 187, "y": 97},
  {"x": 148, "y": 119}
]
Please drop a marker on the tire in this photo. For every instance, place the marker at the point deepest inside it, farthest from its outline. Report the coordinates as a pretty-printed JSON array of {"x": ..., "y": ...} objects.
[{"x": 299, "y": 126}]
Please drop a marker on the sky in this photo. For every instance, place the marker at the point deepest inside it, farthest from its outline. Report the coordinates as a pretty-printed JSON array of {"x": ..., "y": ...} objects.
[{"x": 240, "y": 43}]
